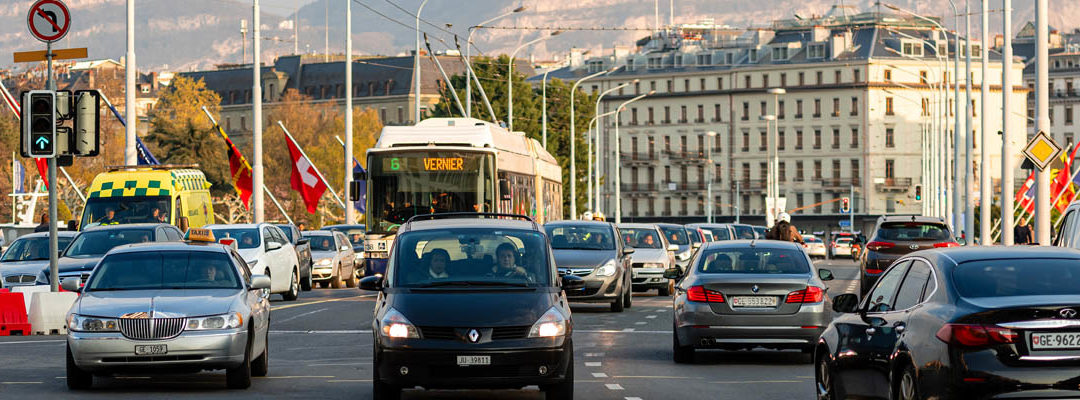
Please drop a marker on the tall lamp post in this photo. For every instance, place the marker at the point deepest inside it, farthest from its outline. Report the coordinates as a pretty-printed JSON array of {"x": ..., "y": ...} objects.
[
  {"x": 618, "y": 158},
  {"x": 709, "y": 174},
  {"x": 594, "y": 126},
  {"x": 774, "y": 164},
  {"x": 770, "y": 214},
  {"x": 596, "y": 138},
  {"x": 468, "y": 50},
  {"x": 573, "y": 143},
  {"x": 510, "y": 78}
]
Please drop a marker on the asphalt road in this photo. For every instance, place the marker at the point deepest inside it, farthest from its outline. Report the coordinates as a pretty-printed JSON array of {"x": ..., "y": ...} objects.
[{"x": 321, "y": 347}]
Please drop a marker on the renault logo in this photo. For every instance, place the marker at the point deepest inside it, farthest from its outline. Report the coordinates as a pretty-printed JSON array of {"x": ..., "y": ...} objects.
[
  {"x": 1067, "y": 313},
  {"x": 474, "y": 336},
  {"x": 754, "y": 288}
]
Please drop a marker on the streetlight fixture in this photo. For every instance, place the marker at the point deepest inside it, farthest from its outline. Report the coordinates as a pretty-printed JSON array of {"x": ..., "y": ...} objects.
[
  {"x": 510, "y": 78},
  {"x": 468, "y": 50},
  {"x": 709, "y": 173},
  {"x": 618, "y": 158},
  {"x": 573, "y": 142},
  {"x": 774, "y": 162},
  {"x": 416, "y": 67},
  {"x": 594, "y": 176}
]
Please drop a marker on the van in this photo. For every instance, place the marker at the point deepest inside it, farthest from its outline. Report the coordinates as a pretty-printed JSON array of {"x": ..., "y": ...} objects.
[{"x": 178, "y": 195}]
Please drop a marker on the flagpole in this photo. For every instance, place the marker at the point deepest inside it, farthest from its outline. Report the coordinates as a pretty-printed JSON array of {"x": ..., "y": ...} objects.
[
  {"x": 244, "y": 159},
  {"x": 13, "y": 198},
  {"x": 325, "y": 182},
  {"x": 76, "y": 187}
]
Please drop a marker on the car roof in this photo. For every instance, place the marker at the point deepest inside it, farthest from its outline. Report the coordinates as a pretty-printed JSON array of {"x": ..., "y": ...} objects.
[
  {"x": 964, "y": 254},
  {"x": 345, "y": 226},
  {"x": 637, "y": 225},
  {"x": 123, "y": 227},
  {"x": 909, "y": 218},
  {"x": 318, "y": 233},
  {"x": 567, "y": 222},
  {"x": 235, "y": 226},
  {"x": 707, "y": 225},
  {"x": 46, "y": 234},
  {"x": 170, "y": 246},
  {"x": 667, "y": 225},
  {"x": 764, "y": 244},
  {"x": 471, "y": 223}
]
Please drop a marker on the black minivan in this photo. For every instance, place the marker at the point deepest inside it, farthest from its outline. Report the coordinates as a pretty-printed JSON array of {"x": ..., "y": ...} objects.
[{"x": 472, "y": 301}]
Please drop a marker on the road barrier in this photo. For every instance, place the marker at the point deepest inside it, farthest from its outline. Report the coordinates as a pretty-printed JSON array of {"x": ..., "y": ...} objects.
[
  {"x": 28, "y": 293},
  {"x": 48, "y": 312},
  {"x": 13, "y": 315}
]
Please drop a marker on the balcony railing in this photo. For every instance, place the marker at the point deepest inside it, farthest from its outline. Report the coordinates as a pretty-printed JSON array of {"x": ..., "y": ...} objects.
[
  {"x": 639, "y": 187},
  {"x": 893, "y": 184},
  {"x": 840, "y": 182},
  {"x": 632, "y": 156},
  {"x": 749, "y": 184}
]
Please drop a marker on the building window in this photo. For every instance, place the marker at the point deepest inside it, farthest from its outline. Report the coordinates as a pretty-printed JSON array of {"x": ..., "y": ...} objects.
[
  {"x": 912, "y": 49},
  {"x": 686, "y": 85},
  {"x": 888, "y": 75},
  {"x": 780, "y": 139},
  {"x": 746, "y": 176},
  {"x": 780, "y": 53},
  {"x": 701, "y": 146},
  {"x": 682, "y": 114},
  {"x": 747, "y": 79},
  {"x": 854, "y": 106},
  {"x": 667, "y": 144},
  {"x": 765, "y": 80},
  {"x": 652, "y": 85},
  {"x": 701, "y": 84},
  {"x": 837, "y": 77},
  {"x": 817, "y": 139},
  {"x": 719, "y": 83},
  {"x": 650, "y": 121},
  {"x": 667, "y": 206},
  {"x": 401, "y": 115},
  {"x": 798, "y": 139},
  {"x": 889, "y": 106},
  {"x": 382, "y": 116},
  {"x": 817, "y": 108},
  {"x": 817, "y": 200},
  {"x": 855, "y": 171},
  {"x": 836, "y": 106},
  {"x": 836, "y": 170},
  {"x": 669, "y": 85},
  {"x": 764, "y": 140},
  {"x": 243, "y": 123},
  {"x": 854, "y": 137},
  {"x": 816, "y": 51},
  {"x": 633, "y": 116},
  {"x": 802, "y": 78},
  {"x": 817, "y": 170},
  {"x": 925, "y": 104},
  {"x": 700, "y": 113},
  {"x": 974, "y": 110},
  {"x": 836, "y": 138},
  {"x": 922, "y": 77},
  {"x": 890, "y": 169},
  {"x": 746, "y": 141},
  {"x": 764, "y": 108},
  {"x": 890, "y": 138},
  {"x": 782, "y": 171},
  {"x": 716, "y": 113},
  {"x": 798, "y": 109},
  {"x": 667, "y": 115},
  {"x": 857, "y": 72},
  {"x": 745, "y": 111},
  {"x": 763, "y": 170},
  {"x": 783, "y": 79},
  {"x": 798, "y": 171},
  {"x": 682, "y": 148},
  {"x": 1068, "y": 115},
  {"x": 780, "y": 109}
]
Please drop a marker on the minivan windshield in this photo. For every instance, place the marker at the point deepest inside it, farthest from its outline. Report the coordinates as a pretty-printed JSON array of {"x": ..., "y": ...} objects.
[
  {"x": 753, "y": 261},
  {"x": 676, "y": 235},
  {"x": 471, "y": 257},
  {"x": 580, "y": 237},
  {"x": 1017, "y": 277},
  {"x": 164, "y": 270},
  {"x": 641, "y": 238}
]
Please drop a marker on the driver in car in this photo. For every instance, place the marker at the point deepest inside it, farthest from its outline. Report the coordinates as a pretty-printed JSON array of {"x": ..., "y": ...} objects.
[
  {"x": 648, "y": 240},
  {"x": 109, "y": 218},
  {"x": 506, "y": 263},
  {"x": 206, "y": 274}
]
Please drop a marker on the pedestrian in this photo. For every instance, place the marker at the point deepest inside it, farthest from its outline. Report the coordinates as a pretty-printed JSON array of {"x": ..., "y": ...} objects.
[
  {"x": 783, "y": 230},
  {"x": 301, "y": 226},
  {"x": 1022, "y": 234},
  {"x": 44, "y": 225}
]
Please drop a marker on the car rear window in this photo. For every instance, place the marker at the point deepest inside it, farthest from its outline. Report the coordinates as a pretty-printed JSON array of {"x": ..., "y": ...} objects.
[
  {"x": 579, "y": 237},
  {"x": 1017, "y": 277},
  {"x": 744, "y": 232},
  {"x": 676, "y": 235},
  {"x": 811, "y": 239},
  {"x": 913, "y": 231},
  {"x": 753, "y": 261},
  {"x": 641, "y": 238}
]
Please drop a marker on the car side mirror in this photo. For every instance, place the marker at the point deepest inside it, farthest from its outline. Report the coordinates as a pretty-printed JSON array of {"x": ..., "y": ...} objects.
[
  {"x": 344, "y": 248},
  {"x": 628, "y": 250},
  {"x": 70, "y": 284},
  {"x": 846, "y": 303},
  {"x": 672, "y": 273},
  {"x": 673, "y": 247},
  {"x": 302, "y": 242},
  {"x": 572, "y": 282},
  {"x": 373, "y": 283},
  {"x": 825, "y": 275},
  {"x": 273, "y": 245},
  {"x": 260, "y": 282}
]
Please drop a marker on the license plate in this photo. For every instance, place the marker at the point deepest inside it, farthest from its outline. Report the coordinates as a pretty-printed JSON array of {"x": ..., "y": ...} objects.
[
  {"x": 465, "y": 361},
  {"x": 151, "y": 349},
  {"x": 1055, "y": 341},
  {"x": 753, "y": 301}
]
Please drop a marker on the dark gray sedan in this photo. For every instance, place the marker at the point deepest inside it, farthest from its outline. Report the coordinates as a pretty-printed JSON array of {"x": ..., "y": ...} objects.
[
  {"x": 744, "y": 294},
  {"x": 589, "y": 249}
]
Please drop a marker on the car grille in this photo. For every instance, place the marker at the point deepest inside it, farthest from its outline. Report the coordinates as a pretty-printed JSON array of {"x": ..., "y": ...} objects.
[
  {"x": 510, "y": 332},
  {"x": 437, "y": 332},
  {"x": 83, "y": 276},
  {"x": 151, "y": 328},
  {"x": 575, "y": 271},
  {"x": 21, "y": 278},
  {"x": 498, "y": 333},
  {"x": 588, "y": 291}
]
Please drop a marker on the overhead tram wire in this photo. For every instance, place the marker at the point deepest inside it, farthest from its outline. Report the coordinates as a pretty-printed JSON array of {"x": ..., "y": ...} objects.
[
  {"x": 411, "y": 14},
  {"x": 409, "y": 26},
  {"x": 562, "y": 28}
]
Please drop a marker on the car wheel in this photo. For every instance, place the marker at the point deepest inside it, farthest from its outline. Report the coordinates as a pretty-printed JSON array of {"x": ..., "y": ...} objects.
[
  {"x": 628, "y": 299},
  {"x": 618, "y": 305},
  {"x": 77, "y": 379},
  {"x": 240, "y": 377},
  {"x": 294, "y": 288},
  {"x": 908, "y": 386},
  {"x": 667, "y": 290},
  {"x": 563, "y": 390},
  {"x": 261, "y": 365},
  {"x": 351, "y": 282},
  {"x": 336, "y": 280},
  {"x": 825, "y": 381},
  {"x": 681, "y": 354},
  {"x": 381, "y": 390},
  {"x": 307, "y": 284}
]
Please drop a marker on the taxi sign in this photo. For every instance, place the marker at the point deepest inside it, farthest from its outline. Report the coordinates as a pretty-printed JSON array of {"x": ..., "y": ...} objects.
[
  {"x": 1041, "y": 150},
  {"x": 199, "y": 235}
]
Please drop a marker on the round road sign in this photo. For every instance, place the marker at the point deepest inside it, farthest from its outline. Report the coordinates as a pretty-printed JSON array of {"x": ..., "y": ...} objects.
[{"x": 48, "y": 20}]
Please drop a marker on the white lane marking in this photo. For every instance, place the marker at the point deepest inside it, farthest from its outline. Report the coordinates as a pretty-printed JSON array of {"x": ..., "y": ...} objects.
[
  {"x": 661, "y": 310},
  {"x": 347, "y": 380},
  {"x": 628, "y": 330},
  {"x": 592, "y": 363},
  {"x": 301, "y": 377},
  {"x": 650, "y": 316},
  {"x": 632, "y": 398},
  {"x": 300, "y": 315},
  {"x": 613, "y": 386},
  {"x": 776, "y": 381},
  {"x": 640, "y": 323},
  {"x": 594, "y": 354},
  {"x": 330, "y": 332},
  {"x": 599, "y": 375},
  {"x": 34, "y": 341}
]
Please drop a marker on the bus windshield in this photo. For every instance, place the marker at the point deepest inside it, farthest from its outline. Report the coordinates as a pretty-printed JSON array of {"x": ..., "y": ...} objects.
[
  {"x": 408, "y": 183},
  {"x": 125, "y": 210}
]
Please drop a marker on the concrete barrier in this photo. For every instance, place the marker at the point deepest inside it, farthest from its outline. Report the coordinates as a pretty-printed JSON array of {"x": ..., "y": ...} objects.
[
  {"x": 48, "y": 312},
  {"x": 28, "y": 293}
]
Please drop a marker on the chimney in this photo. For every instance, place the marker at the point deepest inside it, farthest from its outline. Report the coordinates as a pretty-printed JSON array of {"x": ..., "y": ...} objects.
[{"x": 820, "y": 34}]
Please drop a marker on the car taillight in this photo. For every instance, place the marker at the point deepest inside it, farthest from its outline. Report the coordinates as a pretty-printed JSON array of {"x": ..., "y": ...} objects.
[
  {"x": 873, "y": 271},
  {"x": 946, "y": 244},
  {"x": 875, "y": 245},
  {"x": 702, "y": 295},
  {"x": 812, "y": 294},
  {"x": 970, "y": 335}
]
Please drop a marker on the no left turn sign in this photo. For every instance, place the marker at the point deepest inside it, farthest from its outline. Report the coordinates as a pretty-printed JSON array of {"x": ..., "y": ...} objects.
[{"x": 48, "y": 20}]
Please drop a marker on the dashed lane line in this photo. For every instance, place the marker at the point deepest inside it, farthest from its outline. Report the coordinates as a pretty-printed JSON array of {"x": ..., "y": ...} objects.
[
  {"x": 594, "y": 354},
  {"x": 632, "y": 398},
  {"x": 599, "y": 375},
  {"x": 650, "y": 316},
  {"x": 613, "y": 386},
  {"x": 592, "y": 363}
]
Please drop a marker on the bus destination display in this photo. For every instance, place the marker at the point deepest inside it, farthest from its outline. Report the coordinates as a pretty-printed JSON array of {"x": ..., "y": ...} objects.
[{"x": 431, "y": 163}]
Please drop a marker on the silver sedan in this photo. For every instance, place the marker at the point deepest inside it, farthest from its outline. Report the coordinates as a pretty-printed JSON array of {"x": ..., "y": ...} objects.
[
  {"x": 169, "y": 307},
  {"x": 744, "y": 294}
]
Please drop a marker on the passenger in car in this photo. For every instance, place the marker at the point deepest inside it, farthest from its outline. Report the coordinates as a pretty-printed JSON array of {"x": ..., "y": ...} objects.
[{"x": 436, "y": 261}]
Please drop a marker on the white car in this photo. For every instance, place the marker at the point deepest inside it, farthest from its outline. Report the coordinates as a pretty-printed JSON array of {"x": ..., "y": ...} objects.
[
  {"x": 841, "y": 247},
  {"x": 814, "y": 246},
  {"x": 267, "y": 252}
]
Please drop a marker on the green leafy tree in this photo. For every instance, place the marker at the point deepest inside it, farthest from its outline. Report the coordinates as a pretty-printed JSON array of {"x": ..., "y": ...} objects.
[{"x": 181, "y": 134}]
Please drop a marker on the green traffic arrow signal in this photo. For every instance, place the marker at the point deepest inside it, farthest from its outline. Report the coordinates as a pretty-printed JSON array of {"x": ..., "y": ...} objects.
[{"x": 42, "y": 142}]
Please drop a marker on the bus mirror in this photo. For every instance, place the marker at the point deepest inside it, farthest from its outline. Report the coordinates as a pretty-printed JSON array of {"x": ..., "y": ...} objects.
[
  {"x": 504, "y": 189},
  {"x": 182, "y": 223},
  {"x": 359, "y": 176},
  {"x": 354, "y": 191}
]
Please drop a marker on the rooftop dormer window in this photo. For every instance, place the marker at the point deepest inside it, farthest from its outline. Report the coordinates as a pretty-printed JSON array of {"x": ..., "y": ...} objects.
[
  {"x": 911, "y": 48},
  {"x": 816, "y": 51},
  {"x": 779, "y": 53}
]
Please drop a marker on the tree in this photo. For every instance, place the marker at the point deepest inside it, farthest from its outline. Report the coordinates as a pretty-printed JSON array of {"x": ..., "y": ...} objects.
[
  {"x": 181, "y": 134},
  {"x": 492, "y": 74}
]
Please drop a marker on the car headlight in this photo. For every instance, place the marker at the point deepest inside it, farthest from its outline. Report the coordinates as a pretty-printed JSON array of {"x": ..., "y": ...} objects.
[
  {"x": 395, "y": 325},
  {"x": 231, "y": 320},
  {"x": 551, "y": 324},
  {"x": 82, "y": 323},
  {"x": 324, "y": 262},
  {"x": 608, "y": 269}
]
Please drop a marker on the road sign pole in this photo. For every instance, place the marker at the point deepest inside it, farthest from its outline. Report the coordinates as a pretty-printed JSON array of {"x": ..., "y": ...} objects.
[
  {"x": 1042, "y": 121},
  {"x": 851, "y": 208},
  {"x": 54, "y": 246}
]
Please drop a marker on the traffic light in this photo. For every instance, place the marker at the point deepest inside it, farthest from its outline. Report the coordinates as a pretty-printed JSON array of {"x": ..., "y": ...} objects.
[
  {"x": 845, "y": 204},
  {"x": 39, "y": 124},
  {"x": 918, "y": 192}
]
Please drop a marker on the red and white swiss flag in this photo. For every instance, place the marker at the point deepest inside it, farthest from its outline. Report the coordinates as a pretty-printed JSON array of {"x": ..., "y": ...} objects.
[{"x": 304, "y": 179}]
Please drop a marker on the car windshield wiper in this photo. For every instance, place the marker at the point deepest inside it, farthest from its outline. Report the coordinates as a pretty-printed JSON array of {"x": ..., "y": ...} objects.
[{"x": 472, "y": 283}]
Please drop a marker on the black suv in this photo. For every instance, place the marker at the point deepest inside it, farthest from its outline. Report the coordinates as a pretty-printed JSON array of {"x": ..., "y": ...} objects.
[
  {"x": 895, "y": 236},
  {"x": 472, "y": 301}
]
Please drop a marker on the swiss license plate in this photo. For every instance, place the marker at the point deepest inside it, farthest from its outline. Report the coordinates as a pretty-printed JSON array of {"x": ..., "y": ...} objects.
[
  {"x": 1055, "y": 341},
  {"x": 753, "y": 301},
  {"x": 465, "y": 361},
  {"x": 150, "y": 349}
]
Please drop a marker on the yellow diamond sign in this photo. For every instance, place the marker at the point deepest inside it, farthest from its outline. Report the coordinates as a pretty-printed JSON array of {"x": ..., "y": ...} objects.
[{"x": 1041, "y": 150}]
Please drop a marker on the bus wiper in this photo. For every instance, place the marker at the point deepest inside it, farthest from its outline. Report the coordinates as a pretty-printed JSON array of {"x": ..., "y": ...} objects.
[{"x": 473, "y": 283}]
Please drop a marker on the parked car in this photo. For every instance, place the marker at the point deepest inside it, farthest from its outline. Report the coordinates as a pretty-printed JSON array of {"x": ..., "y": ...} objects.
[
  {"x": 472, "y": 303},
  {"x": 25, "y": 261},
  {"x": 676, "y": 236},
  {"x": 652, "y": 256},
  {"x": 959, "y": 323},
  {"x": 718, "y": 231},
  {"x": 592, "y": 251},
  {"x": 895, "y": 236},
  {"x": 745, "y": 294},
  {"x": 333, "y": 256},
  {"x": 266, "y": 252},
  {"x": 814, "y": 246},
  {"x": 86, "y": 249},
  {"x": 303, "y": 253}
]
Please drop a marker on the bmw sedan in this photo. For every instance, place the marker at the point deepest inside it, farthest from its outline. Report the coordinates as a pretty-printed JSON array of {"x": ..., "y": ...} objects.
[
  {"x": 744, "y": 294},
  {"x": 589, "y": 249},
  {"x": 959, "y": 323},
  {"x": 169, "y": 307}
]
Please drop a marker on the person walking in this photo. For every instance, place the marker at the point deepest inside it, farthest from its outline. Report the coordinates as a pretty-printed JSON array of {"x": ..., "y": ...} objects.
[
  {"x": 783, "y": 230},
  {"x": 1022, "y": 234},
  {"x": 44, "y": 225}
]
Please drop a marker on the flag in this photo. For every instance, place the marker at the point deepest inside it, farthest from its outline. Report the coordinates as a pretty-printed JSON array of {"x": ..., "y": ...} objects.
[
  {"x": 304, "y": 177},
  {"x": 1061, "y": 184},
  {"x": 42, "y": 164},
  {"x": 239, "y": 169},
  {"x": 1028, "y": 183},
  {"x": 43, "y": 170},
  {"x": 144, "y": 155},
  {"x": 19, "y": 174},
  {"x": 360, "y": 205}
]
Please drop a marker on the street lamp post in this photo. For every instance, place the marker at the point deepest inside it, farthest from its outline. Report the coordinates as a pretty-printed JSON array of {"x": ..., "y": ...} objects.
[
  {"x": 596, "y": 138},
  {"x": 468, "y": 50},
  {"x": 594, "y": 126},
  {"x": 510, "y": 78},
  {"x": 770, "y": 195},
  {"x": 543, "y": 111},
  {"x": 416, "y": 67},
  {"x": 618, "y": 158},
  {"x": 709, "y": 174},
  {"x": 573, "y": 142},
  {"x": 773, "y": 144}
]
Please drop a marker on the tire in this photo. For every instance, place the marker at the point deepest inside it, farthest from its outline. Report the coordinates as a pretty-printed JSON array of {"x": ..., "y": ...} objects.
[
  {"x": 294, "y": 288},
  {"x": 260, "y": 366},
  {"x": 77, "y": 379},
  {"x": 680, "y": 354},
  {"x": 306, "y": 284},
  {"x": 666, "y": 290},
  {"x": 381, "y": 390},
  {"x": 824, "y": 381},
  {"x": 337, "y": 281},
  {"x": 907, "y": 387},
  {"x": 618, "y": 305},
  {"x": 240, "y": 377},
  {"x": 351, "y": 282},
  {"x": 628, "y": 299},
  {"x": 563, "y": 390}
]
